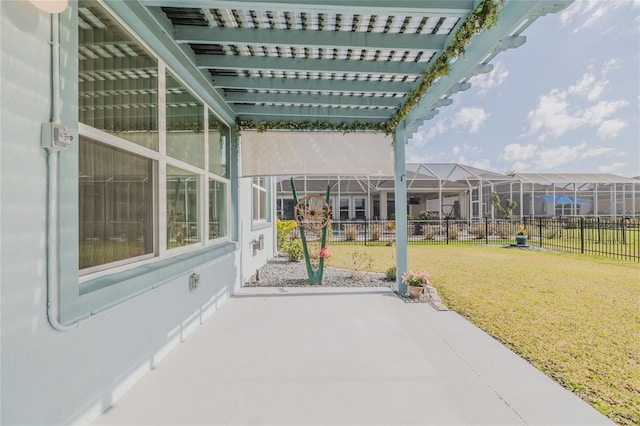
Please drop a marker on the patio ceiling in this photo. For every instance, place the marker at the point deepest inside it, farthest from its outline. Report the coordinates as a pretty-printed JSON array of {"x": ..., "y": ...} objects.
[{"x": 329, "y": 61}]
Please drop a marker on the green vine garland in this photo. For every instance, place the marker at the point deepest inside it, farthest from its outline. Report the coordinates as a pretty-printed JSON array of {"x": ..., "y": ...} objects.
[{"x": 485, "y": 16}]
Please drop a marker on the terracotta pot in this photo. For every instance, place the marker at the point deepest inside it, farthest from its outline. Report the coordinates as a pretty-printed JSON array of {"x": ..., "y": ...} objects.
[{"x": 415, "y": 291}]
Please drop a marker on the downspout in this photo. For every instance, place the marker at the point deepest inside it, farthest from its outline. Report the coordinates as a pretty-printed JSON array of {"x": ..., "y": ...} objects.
[{"x": 53, "y": 257}]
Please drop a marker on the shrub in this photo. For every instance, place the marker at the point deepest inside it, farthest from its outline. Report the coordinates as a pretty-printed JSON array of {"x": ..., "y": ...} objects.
[
  {"x": 375, "y": 231},
  {"x": 390, "y": 274},
  {"x": 350, "y": 232},
  {"x": 283, "y": 229},
  {"x": 479, "y": 230},
  {"x": 453, "y": 232},
  {"x": 550, "y": 233},
  {"x": 505, "y": 229},
  {"x": 429, "y": 232},
  {"x": 293, "y": 250}
]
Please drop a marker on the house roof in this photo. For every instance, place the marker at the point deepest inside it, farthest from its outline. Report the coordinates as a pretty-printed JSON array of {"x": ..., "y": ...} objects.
[{"x": 329, "y": 61}]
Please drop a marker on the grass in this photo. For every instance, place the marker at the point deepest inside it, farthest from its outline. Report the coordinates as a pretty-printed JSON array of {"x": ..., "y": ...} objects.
[{"x": 574, "y": 317}]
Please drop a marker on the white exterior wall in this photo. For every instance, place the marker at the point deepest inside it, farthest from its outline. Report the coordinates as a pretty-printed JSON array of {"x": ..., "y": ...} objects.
[
  {"x": 253, "y": 259},
  {"x": 64, "y": 377}
]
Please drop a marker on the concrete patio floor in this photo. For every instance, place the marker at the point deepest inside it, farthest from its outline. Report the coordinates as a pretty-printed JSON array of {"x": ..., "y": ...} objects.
[{"x": 343, "y": 356}]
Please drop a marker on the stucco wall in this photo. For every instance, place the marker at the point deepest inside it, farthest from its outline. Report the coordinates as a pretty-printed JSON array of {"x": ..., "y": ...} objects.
[
  {"x": 54, "y": 377},
  {"x": 253, "y": 259}
]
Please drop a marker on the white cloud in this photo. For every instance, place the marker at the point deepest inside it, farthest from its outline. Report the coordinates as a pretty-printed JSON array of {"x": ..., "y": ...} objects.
[
  {"x": 519, "y": 152},
  {"x": 471, "y": 119},
  {"x": 554, "y": 157},
  {"x": 610, "y": 128},
  {"x": 589, "y": 87},
  {"x": 585, "y": 14},
  {"x": 611, "y": 167},
  {"x": 551, "y": 117},
  {"x": 526, "y": 157},
  {"x": 485, "y": 82},
  {"x": 482, "y": 164},
  {"x": 612, "y": 65},
  {"x": 557, "y": 114},
  {"x": 600, "y": 111}
]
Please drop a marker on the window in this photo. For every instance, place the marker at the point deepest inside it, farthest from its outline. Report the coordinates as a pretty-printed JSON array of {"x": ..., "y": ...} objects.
[
  {"x": 259, "y": 199},
  {"x": 116, "y": 199},
  {"x": 118, "y": 79},
  {"x": 360, "y": 210},
  {"x": 183, "y": 207},
  {"x": 344, "y": 209},
  {"x": 154, "y": 179},
  {"x": 217, "y": 209}
]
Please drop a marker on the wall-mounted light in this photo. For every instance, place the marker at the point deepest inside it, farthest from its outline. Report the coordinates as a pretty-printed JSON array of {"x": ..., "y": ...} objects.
[{"x": 50, "y": 6}]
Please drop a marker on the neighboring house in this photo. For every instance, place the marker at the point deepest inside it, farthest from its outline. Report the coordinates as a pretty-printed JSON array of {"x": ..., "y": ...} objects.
[{"x": 441, "y": 190}]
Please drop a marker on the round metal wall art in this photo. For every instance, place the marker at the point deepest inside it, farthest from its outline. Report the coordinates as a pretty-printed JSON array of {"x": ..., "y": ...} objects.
[{"x": 312, "y": 213}]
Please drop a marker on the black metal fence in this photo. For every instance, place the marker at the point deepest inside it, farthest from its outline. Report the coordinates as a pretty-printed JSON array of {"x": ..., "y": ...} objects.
[{"x": 604, "y": 236}]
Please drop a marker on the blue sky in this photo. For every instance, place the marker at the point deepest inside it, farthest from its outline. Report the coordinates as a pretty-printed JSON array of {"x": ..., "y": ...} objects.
[{"x": 566, "y": 101}]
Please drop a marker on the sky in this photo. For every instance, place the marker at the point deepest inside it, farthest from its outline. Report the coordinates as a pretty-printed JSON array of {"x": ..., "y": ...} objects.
[{"x": 567, "y": 101}]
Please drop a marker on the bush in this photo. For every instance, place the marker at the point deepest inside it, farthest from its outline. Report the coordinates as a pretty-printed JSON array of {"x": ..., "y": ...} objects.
[
  {"x": 429, "y": 232},
  {"x": 390, "y": 274},
  {"x": 550, "y": 233},
  {"x": 283, "y": 229},
  {"x": 293, "y": 250},
  {"x": 479, "y": 230},
  {"x": 350, "y": 232},
  {"x": 505, "y": 229},
  {"x": 453, "y": 232},
  {"x": 375, "y": 231}
]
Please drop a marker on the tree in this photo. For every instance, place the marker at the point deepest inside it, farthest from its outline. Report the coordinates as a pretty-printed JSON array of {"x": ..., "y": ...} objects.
[{"x": 509, "y": 205}]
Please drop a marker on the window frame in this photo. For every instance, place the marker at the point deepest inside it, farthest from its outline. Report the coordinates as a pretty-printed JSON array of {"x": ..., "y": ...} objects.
[
  {"x": 161, "y": 160},
  {"x": 261, "y": 223}
]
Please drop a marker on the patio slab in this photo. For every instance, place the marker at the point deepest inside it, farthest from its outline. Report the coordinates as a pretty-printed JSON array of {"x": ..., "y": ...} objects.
[{"x": 343, "y": 356}]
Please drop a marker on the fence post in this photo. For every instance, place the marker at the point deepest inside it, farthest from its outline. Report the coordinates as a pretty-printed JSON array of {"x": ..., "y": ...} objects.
[
  {"x": 622, "y": 227},
  {"x": 540, "y": 231},
  {"x": 446, "y": 221},
  {"x": 366, "y": 228},
  {"x": 486, "y": 230},
  {"x": 581, "y": 234}
]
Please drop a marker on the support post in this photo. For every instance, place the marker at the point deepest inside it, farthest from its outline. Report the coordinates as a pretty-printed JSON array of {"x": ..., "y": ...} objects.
[{"x": 400, "y": 180}]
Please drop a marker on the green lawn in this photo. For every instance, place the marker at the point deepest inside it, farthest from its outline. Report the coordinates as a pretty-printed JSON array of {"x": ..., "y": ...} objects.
[{"x": 574, "y": 317}]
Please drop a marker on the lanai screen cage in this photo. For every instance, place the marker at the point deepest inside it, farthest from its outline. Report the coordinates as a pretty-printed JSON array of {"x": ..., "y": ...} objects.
[
  {"x": 570, "y": 194},
  {"x": 457, "y": 191},
  {"x": 435, "y": 191}
]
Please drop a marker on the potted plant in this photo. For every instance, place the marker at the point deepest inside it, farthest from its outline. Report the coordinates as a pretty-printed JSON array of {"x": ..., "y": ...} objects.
[
  {"x": 521, "y": 236},
  {"x": 416, "y": 282}
]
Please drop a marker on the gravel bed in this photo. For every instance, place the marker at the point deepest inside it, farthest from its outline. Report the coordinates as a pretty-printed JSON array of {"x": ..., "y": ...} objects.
[{"x": 279, "y": 272}]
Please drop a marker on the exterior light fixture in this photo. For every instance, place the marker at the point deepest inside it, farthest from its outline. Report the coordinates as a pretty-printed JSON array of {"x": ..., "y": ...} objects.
[{"x": 50, "y": 6}]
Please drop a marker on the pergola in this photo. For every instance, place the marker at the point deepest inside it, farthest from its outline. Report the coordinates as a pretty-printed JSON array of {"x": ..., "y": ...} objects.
[{"x": 355, "y": 65}]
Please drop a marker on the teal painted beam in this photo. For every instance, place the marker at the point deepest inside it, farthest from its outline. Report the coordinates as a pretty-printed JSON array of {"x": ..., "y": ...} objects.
[
  {"x": 310, "y": 39},
  {"x": 319, "y": 100},
  {"x": 482, "y": 49},
  {"x": 439, "y": 8},
  {"x": 261, "y": 63},
  {"x": 268, "y": 83},
  {"x": 316, "y": 113},
  {"x": 330, "y": 120},
  {"x": 400, "y": 181},
  {"x": 149, "y": 28}
]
